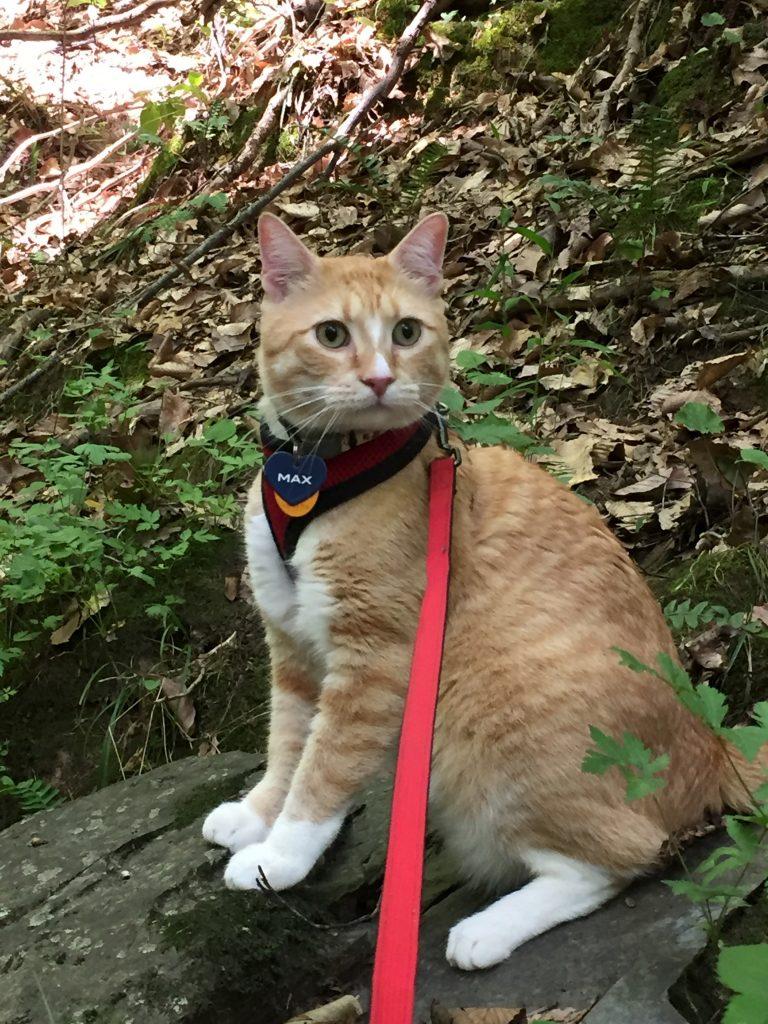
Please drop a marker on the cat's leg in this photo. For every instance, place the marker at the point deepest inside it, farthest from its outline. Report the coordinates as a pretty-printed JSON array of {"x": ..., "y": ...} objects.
[
  {"x": 238, "y": 824},
  {"x": 562, "y": 890},
  {"x": 358, "y": 717}
]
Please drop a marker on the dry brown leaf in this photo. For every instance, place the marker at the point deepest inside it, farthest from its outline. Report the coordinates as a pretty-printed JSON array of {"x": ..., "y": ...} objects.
[
  {"x": 175, "y": 412},
  {"x": 575, "y": 455},
  {"x": 231, "y": 587},
  {"x": 341, "y": 1011},
  {"x": 180, "y": 702},
  {"x": 78, "y": 614},
  {"x": 477, "y": 1015},
  {"x": 713, "y": 369}
]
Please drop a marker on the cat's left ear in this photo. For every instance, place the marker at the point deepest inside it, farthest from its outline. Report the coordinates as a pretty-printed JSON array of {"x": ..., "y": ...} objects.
[
  {"x": 285, "y": 260},
  {"x": 420, "y": 254}
]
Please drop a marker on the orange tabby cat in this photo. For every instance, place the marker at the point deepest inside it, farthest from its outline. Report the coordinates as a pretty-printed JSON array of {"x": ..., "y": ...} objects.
[{"x": 541, "y": 595}]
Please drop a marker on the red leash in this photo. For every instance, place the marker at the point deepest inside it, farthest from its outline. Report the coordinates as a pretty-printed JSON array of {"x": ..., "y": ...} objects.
[{"x": 397, "y": 947}]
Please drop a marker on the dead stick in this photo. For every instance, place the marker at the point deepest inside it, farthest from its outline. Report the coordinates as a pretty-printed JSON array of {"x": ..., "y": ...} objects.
[
  {"x": 258, "y": 137},
  {"x": 72, "y": 35},
  {"x": 628, "y": 65},
  {"x": 384, "y": 86},
  {"x": 72, "y": 172},
  {"x": 339, "y": 139}
]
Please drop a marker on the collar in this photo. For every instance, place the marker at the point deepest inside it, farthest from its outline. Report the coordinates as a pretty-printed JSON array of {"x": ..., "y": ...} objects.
[{"x": 350, "y": 473}]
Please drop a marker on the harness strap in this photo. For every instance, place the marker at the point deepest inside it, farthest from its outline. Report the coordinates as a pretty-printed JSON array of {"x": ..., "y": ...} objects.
[
  {"x": 350, "y": 474},
  {"x": 397, "y": 947}
]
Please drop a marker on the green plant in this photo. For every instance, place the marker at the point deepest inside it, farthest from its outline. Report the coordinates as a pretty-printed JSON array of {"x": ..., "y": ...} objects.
[
  {"x": 654, "y": 199},
  {"x": 93, "y": 518},
  {"x": 719, "y": 879},
  {"x": 32, "y": 795}
]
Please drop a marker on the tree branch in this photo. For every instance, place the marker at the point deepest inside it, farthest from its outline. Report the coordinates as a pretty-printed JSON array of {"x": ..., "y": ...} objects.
[
  {"x": 73, "y": 35},
  {"x": 248, "y": 213},
  {"x": 628, "y": 65},
  {"x": 71, "y": 172}
]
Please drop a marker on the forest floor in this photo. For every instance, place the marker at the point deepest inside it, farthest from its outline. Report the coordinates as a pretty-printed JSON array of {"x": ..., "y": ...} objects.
[{"x": 603, "y": 165}]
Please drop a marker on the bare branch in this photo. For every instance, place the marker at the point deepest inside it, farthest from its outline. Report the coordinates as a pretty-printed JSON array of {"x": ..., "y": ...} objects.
[
  {"x": 249, "y": 213},
  {"x": 73, "y": 35},
  {"x": 71, "y": 172},
  {"x": 628, "y": 65}
]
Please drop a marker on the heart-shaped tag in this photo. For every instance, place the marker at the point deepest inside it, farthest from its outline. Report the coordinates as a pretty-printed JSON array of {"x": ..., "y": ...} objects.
[{"x": 295, "y": 481}]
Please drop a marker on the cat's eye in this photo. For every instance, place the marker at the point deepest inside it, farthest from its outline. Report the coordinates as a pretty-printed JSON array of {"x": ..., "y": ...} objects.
[
  {"x": 407, "y": 332},
  {"x": 332, "y": 334}
]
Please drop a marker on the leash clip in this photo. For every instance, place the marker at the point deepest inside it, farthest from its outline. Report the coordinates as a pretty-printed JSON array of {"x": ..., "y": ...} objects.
[{"x": 442, "y": 434}]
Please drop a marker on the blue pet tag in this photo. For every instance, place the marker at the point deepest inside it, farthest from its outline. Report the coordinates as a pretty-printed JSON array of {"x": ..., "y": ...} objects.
[{"x": 295, "y": 480}]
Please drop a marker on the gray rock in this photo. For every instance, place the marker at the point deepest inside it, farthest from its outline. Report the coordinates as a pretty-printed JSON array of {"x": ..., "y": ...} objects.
[{"x": 113, "y": 911}]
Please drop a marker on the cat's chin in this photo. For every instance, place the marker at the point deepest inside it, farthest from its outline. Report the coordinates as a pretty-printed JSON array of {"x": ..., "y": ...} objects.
[{"x": 377, "y": 419}]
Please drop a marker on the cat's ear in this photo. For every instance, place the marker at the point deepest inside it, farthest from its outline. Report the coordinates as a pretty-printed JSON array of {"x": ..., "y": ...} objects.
[
  {"x": 420, "y": 254},
  {"x": 285, "y": 260}
]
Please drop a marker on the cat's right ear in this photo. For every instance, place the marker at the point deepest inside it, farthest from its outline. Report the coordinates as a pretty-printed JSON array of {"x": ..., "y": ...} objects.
[{"x": 285, "y": 260}]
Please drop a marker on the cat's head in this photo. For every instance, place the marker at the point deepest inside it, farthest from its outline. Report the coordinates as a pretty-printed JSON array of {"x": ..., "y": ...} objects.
[{"x": 352, "y": 342}]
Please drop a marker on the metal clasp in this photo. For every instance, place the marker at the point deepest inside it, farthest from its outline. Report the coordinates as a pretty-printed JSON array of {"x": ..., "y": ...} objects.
[{"x": 442, "y": 434}]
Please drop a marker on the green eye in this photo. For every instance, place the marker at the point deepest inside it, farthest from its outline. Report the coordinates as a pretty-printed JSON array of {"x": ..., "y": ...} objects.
[
  {"x": 407, "y": 332},
  {"x": 332, "y": 334}
]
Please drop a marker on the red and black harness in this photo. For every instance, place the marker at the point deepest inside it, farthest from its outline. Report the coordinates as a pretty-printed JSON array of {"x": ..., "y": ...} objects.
[{"x": 349, "y": 474}]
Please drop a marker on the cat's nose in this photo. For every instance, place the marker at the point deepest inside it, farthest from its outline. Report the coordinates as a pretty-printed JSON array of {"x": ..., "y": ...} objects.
[{"x": 378, "y": 385}]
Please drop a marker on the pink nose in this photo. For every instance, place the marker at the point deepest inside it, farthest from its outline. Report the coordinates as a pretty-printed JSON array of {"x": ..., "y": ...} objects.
[{"x": 378, "y": 385}]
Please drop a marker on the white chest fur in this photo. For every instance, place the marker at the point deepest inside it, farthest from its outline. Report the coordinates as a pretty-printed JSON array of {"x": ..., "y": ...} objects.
[{"x": 302, "y": 607}]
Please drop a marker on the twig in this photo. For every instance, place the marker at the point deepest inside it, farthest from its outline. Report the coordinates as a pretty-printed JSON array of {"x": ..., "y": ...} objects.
[
  {"x": 30, "y": 378},
  {"x": 628, "y": 65},
  {"x": 384, "y": 86},
  {"x": 40, "y": 137},
  {"x": 258, "y": 137},
  {"x": 248, "y": 213},
  {"x": 26, "y": 322},
  {"x": 112, "y": 21},
  {"x": 264, "y": 883},
  {"x": 202, "y": 661},
  {"x": 72, "y": 172}
]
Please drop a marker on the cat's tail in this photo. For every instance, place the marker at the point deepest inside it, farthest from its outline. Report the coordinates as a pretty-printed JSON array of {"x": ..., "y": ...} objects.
[{"x": 740, "y": 778}]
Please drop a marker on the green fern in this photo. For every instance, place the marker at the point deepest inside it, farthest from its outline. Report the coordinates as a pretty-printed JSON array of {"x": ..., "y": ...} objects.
[
  {"x": 32, "y": 795},
  {"x": 423, "y": 172}
]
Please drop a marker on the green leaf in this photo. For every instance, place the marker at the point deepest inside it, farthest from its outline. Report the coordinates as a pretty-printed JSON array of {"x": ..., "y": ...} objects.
[
  {"x": 535, "y": 237},
  {"x": 630, "y": 661},
  {"x": 712, "y": 705},
  {"x": 468, "y": 360},
  {"x": 712, "y": 18},
  {"x": 221, "y": 430},
  {"x": 755, "y": 456},
  {"x": 700, "y": 417},
  {"x": 452, "y": 399},
  {"x": 745, "y": 970}
]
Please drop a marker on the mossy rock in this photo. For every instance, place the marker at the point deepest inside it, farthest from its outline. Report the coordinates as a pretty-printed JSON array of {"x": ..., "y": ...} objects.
[
  {"x": 113, "y": 909},
  {"x": 575, "y": 29},
  {"x": 736, "y": 579},
  {"x": 696, "y": 87}
]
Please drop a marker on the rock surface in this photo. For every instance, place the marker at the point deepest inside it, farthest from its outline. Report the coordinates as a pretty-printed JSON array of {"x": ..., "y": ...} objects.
[{"x": 112, "y": 911}]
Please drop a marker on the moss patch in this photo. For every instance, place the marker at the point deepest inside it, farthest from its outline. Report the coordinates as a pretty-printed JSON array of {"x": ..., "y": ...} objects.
[
  {"x": 499, "y": 44},
  {"x": 736, "y": 579},
  {"x": 696, "y": 87},
  {"x": 261, "y": 957},
  {"x": 698, "y": 995},
  {"x": 575, "y": 30}
]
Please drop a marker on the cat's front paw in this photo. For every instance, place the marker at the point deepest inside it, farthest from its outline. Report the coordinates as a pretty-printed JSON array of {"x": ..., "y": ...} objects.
[
  {"x": 476, "y": 942},
  {"x": 281, "y": 869},
  {"x": 235, "y": 826}
]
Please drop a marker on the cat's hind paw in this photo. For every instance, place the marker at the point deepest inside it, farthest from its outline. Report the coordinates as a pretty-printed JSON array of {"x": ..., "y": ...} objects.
[
  {"x": 474, "y": 944},
  {"x": 281, "y": 870},
  {"x": 235, "y": 826}
]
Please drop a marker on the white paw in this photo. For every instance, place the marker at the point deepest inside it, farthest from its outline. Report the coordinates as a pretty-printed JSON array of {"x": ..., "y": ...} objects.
[
  {"x": 235, "y": 826},
  {"x": 475, "y": 943},
  {"x": 282, "y": 870}
]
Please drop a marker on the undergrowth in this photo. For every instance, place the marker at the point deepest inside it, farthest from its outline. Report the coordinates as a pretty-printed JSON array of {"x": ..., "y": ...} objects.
[{"x": 90, "y": 516}]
